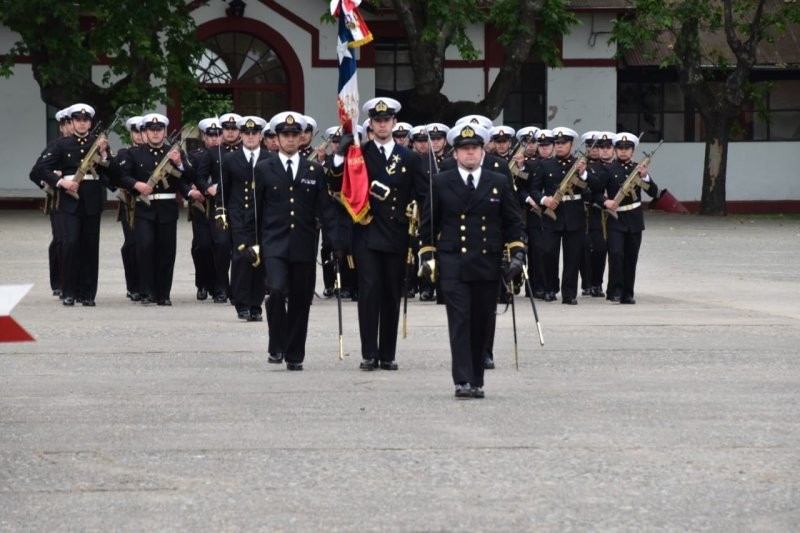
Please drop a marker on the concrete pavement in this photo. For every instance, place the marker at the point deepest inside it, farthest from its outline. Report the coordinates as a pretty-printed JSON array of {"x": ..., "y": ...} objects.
[{"x": 678, "y": 413}]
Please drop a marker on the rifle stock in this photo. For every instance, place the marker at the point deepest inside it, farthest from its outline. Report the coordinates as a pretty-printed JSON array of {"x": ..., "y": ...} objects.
[
  {"x": 567, "y": 185},
  {"x": 632, "y": 181},
  {"x": 165, "y": 168}
]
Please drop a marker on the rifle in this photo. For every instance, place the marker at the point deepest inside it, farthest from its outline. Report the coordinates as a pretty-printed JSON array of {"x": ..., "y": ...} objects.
[
  {"x": 570, "y": 181},
  {"x": 510, "y": 296},
  {"x": 413, "y": 221},
  {"x": 49, "y": 199},
  {"x": 92, "y": 158},
  {"x": 313, "y": 155},
  {"x": 634, "y": 180},
  {"x": 165, "y": 168},
  {"x": 512, "y": 165}
]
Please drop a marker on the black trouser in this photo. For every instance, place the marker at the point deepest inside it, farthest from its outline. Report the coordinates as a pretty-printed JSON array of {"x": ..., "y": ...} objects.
[
  {"x": 222, "y": 259},
  {"x": 80, "y": 254},
  {"x": 623, "y": 254},
  {"x": 573, "y": 246},
  {"x": 54, "y": 251},
  {"x": 380, "y": 283},
  {"x": 128, "y": 252},
  {"x": 203, "y": 251},
  {"x": 597, "y": 257},
  {"x": 535, "y": 254},
  {"x": 470, "y": 319},
  {"x": 155, "y": 253},
  {"x": 328, "y": 270},
  {"x": 247, "y": 281},
  {"x": 288, "y": 321}
]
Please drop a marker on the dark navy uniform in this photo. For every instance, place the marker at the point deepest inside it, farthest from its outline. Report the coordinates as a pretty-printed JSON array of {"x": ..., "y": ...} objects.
[
  {"x": 130, "y": 264},
  {"x": 155, "y": 225},
  {"x": 596, "y": 248},
  {"x": 468, "y": 230},
  {"x": 289, "y": 207},
  {"x": 202, "y": 228},
  {"x": 80, "y": 218},
  {"x": 568, "y": 229},
  {"x": 54, "y": 249},
  {"x": 247, "y": 281},
  {"x": 624, "y": 233}
]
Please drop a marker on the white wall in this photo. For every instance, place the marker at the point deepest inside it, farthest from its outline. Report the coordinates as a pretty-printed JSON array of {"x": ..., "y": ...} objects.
[
  {"x": 756, "y": 170},
  {"x": 589, "y": 39},
  {"x": 582, "y": 98},
  {"x": 25, "y": 117}
]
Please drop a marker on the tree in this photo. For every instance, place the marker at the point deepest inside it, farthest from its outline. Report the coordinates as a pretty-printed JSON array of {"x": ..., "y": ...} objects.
[
  {"x": 716, "y": 81},
  {"x": 431, "y": 26},
  {"x": 142, "y": 45}
]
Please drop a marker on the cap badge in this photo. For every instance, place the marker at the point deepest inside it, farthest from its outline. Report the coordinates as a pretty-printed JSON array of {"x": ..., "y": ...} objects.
[
  {"x": 290, "y": 119},
  {"x": 474, "y": 121},
  {"x": 381, "y": 107},
  {"x": 154, "y": 120},
  {"x": 250, "y": 124},
  {"x": 435, "y": 129},
  {"x": 467, "y": 133},
  {"x": 83, "y": 110},
  {"x": 624, "y": 138}
]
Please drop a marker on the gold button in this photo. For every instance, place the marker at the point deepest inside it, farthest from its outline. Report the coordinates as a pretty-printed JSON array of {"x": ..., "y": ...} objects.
[
  {"x": 483, "y": 228},
  {"x": 291, "y": 188},
  {"x": 463, "y": 237},
  {"x": 246, "y": 206},
  {"x": 484, "y": 251},
  {"x": 484, "y": 239},
  {"x": 463, "y": 228},
  {"x": 291, "y": 200},
  {"x": 246, "y": 197},
  {"x": 291, "y": 226},
  {"x": 246, "y": 189},
  {"x": 392, "y": 208},
  {"x": 463, "y": 250},
  {"x": 291, "y": 213},
  {"x": 483, "y": 218},
  {"x": 463, "y": 216}
]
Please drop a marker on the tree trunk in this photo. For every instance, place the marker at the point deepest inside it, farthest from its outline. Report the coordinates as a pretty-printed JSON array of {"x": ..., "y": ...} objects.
[{"x": 712, "y": 201}]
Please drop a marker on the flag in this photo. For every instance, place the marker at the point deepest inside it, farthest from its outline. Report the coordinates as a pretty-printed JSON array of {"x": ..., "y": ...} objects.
[
  {"x": 353, "y": 32},
  {"x": 10, "y": 330}
]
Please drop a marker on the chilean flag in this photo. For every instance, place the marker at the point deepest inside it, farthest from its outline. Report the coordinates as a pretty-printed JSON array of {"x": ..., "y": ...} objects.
[{"x": 353, "y": 32}]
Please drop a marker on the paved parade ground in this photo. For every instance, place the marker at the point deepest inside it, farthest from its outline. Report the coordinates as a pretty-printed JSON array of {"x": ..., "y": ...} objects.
[{"x": 680, "y": 413}]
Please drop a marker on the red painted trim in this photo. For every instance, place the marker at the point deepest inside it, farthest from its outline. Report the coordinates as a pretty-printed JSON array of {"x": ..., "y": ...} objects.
[
  {"x": 464, "y": 63},
  {"x": 316, "y": 62},
  {"x": 590, "y": 62},
  {"x": 493, "y": 50},
  {"x": 20, "y": 60},
  {"x": 284, "y": 50}
]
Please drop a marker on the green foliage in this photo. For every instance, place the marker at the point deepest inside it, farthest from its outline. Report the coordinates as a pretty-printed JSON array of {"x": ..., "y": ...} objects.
[{"x": 141, "y": 45}]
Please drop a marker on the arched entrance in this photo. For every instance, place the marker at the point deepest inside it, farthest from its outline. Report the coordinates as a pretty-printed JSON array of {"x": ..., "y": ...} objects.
[{"x": 252, "y": 64}]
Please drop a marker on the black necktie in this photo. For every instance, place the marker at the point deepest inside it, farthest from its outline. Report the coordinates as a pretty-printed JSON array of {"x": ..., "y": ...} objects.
[
  {"x": 470, "y": 183},
  {"x": 289, "y": 170},
  {"x": 251, "y": 159},
  {"x": 383, "y": 152}
]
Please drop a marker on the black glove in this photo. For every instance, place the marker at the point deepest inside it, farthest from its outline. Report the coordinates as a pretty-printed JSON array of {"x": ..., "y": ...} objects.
[
  {"x": 344, "y": 144},
  {"x": 514, "y": 268},
  {"x": 339, "y": 255},
  {"x": 251, "y": 253}
]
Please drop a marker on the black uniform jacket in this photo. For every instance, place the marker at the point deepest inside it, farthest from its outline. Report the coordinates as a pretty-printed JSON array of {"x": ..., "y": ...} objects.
[
  {"x": 137, "y": 164},
  {"x": 238, "y": 180},
  {"x": 610, "y": 183},
  {"x": 66, "y": 155},
  {"x": 289, "y": 210},
  {"x": 570, "y": 215},
  {"x": 471, "y": 228},
  {"x": 402, "y": 174}
]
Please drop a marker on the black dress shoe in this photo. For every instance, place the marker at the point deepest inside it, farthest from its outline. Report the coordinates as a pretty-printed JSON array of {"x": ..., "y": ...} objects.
[
  {"x": 488, "y": 363},
  {"x": 294, "y": 366},
  {"x": 539, "y": 295},
  {"x": 136, "y": 297},
  {"x": 328, "y": 292},
  {"x": 411, "y": 293},
  {"x": 388, "y": 365},
  {"x": 597, "y": 292},
  {"x": 220, "y": 298},
  {"x": 255, "y": 315},
  {"x": 354, "y": 296},
  {"x": 464, "y": 390},
  {"x": 165, "y": 302},
  {"x": 344, "y": 294},
  {"x": 275, "y": 358},
  {"x": 56, "y": 292},
  {"x": 368, "y": 364},
  {"x": 549, "y": 297},
  {"x": 613, "y": 298},
  {"x": 88, "y": 303},
  {"x": 569, "y": 301},
  {"x": 627, "y": 300},
  {"x": 586, "y": 292},
  {"x": 426, "y": 295},
  {"x": 68, "y": 300},
  {"x": 477, "y": 392},
  {"x": 244, "y": 314},
  {"x": 202, "y": 294}
]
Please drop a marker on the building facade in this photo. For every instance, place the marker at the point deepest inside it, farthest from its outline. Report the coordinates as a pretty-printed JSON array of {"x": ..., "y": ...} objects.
[{"x": 278, "y": 55}]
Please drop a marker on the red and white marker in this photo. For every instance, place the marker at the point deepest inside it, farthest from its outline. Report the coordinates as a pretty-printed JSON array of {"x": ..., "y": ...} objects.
[{"x": 10, "y": 296}]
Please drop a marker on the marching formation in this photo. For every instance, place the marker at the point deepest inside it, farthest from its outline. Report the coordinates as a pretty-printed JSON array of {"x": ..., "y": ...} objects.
[{"x": 464, "y": 215}]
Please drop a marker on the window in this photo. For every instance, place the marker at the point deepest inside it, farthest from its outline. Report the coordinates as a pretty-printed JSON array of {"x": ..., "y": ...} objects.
[
  {"x": 246, "y": 69},
  {"x": 393, "y": 73},
  {"x": 652, "y": 101},
  {"x": 525, "y": 103}
]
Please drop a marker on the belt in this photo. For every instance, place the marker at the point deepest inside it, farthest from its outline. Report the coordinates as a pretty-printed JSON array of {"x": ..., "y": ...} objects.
[
  {"x": 568, "y": 198},
  {"x": 162, "y": 196},
  {"x": 71, "y": 177},
  {"x": 629, "y": 207}
]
